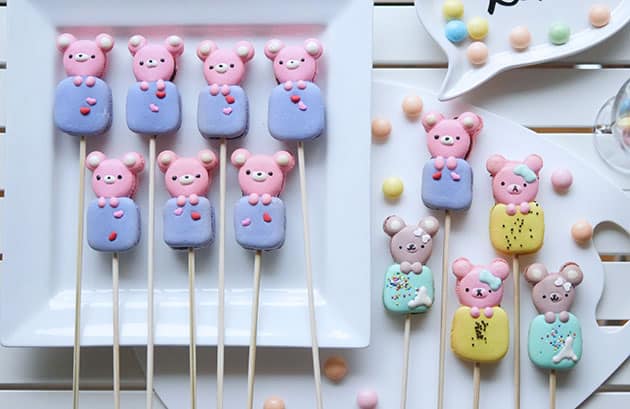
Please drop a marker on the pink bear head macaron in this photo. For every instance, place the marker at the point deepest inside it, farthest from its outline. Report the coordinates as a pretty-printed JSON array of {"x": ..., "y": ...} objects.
[
  {"x": 553, "y": 292},
  {"x": 85, "y": 57},
  {"x": 187, "y": 176},
  {"x": 514, "y": 182},
  {"x": 153, "y": 62},
  {"x": 223, "y": 66},
  {"x": 411, "y": 246},
  {"x": 262, "y": 174},
  {"x": 113, "y": 177},
  {"x": 451, "y": 137},
  {"x": 480, "y": 286},
  {"x": 294, "y": 63}
]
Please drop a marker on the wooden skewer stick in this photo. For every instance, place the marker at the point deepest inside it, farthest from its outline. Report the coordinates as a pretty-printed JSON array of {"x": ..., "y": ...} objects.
[
  {"x": 476, "y": 384},
  {"x": 79, "y": 272},
  {"x": 116, "y": 329},
  {"x": 251, "y": 368},
  {"x": 443, "y": 324},
  {"x": 405, "y": 370},
  {"x": 517, "y": 332},
  {"x": 221, "y": 278},
  {"x": 150, "y": 268},
  {"x": 192, "y": 350},
  {"x": 309, "y": 277},
  {"x": 552, "y": 389}
]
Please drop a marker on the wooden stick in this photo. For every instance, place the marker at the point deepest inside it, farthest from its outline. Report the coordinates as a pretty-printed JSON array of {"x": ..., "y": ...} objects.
[
  {"x": 476, "y": 384},
  {"x": 552, "y": 389},
  {"x": 405, "y": 370},
  {"x": 192, "y": 349},
  {"x": 309, "y": 277},
  {"x": 116, "y": 330},
  {"x": 517, "y": 332},
  {"x": 221, "y": 278},
  {"x": 443, "y": 324},
  {"x": 253, "y": 333},
  {"x": 150, "y": 268},
  {"x": 79, "y": 273}
]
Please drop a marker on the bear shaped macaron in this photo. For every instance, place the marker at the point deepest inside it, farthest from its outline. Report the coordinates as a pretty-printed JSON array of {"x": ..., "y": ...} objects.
[
  {"x": 153, "y": 102},
  {"x": 555, "y": 335},
  {"x": 480, "y": 329},
  {"x": 296, "y": 105},
  {"x": 447, "y": 178},
  {"x": 83, "y": 101},
  {"x": 517, "y": 224},
  {"x": 408, "y": 287},
  {"x": 188, "y": 216},
  {"x": 260, "y": 215},
  {"x": 113, "y": 218},
  {"x": 223, "y": 107}
]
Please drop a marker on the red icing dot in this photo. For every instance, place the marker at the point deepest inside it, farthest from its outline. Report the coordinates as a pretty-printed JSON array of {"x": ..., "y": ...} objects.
[
  {"x": 195, "y": 215},
  {"x": 160, "y": 94},
  {"x": 112, "y": 236},
  {"x": 85, "y": 110},
  {"x": 437, "y": 175},
  {"x": 295, "y": 99},
  {"x": 267, "y": 217},
  {"x": 230, "y": 99}
]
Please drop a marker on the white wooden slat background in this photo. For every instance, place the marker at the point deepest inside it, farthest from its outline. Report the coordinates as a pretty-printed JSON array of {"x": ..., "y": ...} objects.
[{"x": 556, "y": 97}]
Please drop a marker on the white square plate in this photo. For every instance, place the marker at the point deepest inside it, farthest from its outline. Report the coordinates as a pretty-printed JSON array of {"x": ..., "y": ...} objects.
[{"x": 40, "y": 177}]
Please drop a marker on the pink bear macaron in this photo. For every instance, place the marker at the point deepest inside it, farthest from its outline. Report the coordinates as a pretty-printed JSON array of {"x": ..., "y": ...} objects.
[
  {"x": 294, "y": 63},
  {"x": 515, "y": 183},
  {"x": 85, "y": 57},
  {"x": 262, "y": 175},
  {"x": 224, "y": 66},
  {"x": 153, "y": 62},
  {"x": 187, "y": 176},
  {"x": 480, "y": 287},
  {"x": 113, "y": 177}
]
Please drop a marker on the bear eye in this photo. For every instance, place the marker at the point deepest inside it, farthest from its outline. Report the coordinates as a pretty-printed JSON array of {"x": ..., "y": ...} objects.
[
  {"x": 174, "y": 177},
  {"x": 524, "y": 184},
  {"x": 70, "y": 56},
  {"x": 489, "y": 291},
  {"x": 93, "y": 56},
  {"x": 436, "y": 137},
  {"x": 280, "y": 62},
  {"x": 422, "y": 246},
  {"x": 141, "y": 63},
  {"x": 211, "y": 67},
  {"x": 400, "y": 247},
  {"x": 119, "y": 177},
  {"x": 198, "y": 176},
  {"x": 458, "y": 138},
  {"x": 248, "y": 172},
  {"x": 544, "y": 296},
  {"x": 502, "y": 183},
  {"x": 98, "y": 177},
  {"x": 302, "y": 60},
  {"x": 468, "y": 289},
  {"x": 566, "y": 295},
  {"x": 270, "y": 173},
  {"x": 231, "y": 65},
  {"x": 162, "y": 60}
]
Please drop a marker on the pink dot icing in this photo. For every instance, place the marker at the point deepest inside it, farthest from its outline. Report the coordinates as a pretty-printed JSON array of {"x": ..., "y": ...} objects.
[{"x": 561, "y": 179}]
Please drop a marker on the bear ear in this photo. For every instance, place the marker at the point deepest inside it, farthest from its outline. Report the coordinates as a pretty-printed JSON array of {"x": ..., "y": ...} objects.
[
  {"x": 244, "y": 50},
  {"x": 175, "y": 45},
  {"x": 94, "y": 159},
  {"x": 393, "y": 224},
  {"x": 134, "y": 162},
  {"x": 208, "y": 159},
  {"x": 135, "y": 43},
  {"x": 430, "y": 119},
  {"x": 105, "y": 42},
  {"x": 573, "y": 273},
  {"x": 64, "y": 40},
  {"x": 495, "y": 163},
  {"x": 535, "y": 273},
  {"x": 314, "y": 47},
  {"x": 239, "y": 157},
  {"x": 500, "y": 268},
  {"x": 285, "y": 160},
  {"x": 273, "y": 47},
  {"x": 472, "y": 123},
  {"x": 534, "y": 162},
  {"x": 461, "y": 267},
  {"x": 430, "y": 225},
  {"x": 166, "y": 159},
  {"x": 205, "y": 48}
]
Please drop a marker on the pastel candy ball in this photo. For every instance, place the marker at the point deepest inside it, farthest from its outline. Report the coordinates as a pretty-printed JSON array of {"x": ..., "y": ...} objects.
[
  {"x": 559, "y": 33},
  {"x": 599, "y": 15},
  {"x": 412, "y": 106},
  {"x": 381, "y": 128},
  {"x": 520, "y": 38},
  {"x": 453, "y": 9},
  {"x": 624, "y": 107},
  {"x": 477, "y": 53},
  {"x": 274, "y": 402},
  {"x": 367, "y": 399},
  {"x": 335, "y": 368},
  {"x": 478, "y": 28},
  {"x": 456, "y": 31},
  {"x": 624, "y": 123},
  {"x": 561, "y": 179},
  {"x": 393, "y": 187},
  {"x": 582, "y": 232}
]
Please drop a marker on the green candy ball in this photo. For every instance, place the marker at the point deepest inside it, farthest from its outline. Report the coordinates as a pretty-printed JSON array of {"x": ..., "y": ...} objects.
[{"x": 559, "y": 33}]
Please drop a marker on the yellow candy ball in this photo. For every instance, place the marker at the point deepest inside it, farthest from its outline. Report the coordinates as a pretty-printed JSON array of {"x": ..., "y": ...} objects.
[
  {"x": 393, "y": 187},
  {"x": 453, "y": 9},
  {"x": 477, "y": 28}
]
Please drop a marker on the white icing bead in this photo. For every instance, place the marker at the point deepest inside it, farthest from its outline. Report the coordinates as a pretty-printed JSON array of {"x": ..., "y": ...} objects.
[
  {"x": 240, "y": 159},
  {"x": 205, "y": 49},
  {"x": 572, "y": 274},
  {"x": 165, "y": 159},
  {"x": 174, "y": 40},
  {"x": 94, "y": 160},
  {"x": 429, "y": 224},
  {"x": 206, "y": 157},
  {"x": 283, "y": 160},
  {"x": 129, "y": 160},
  {"x": 135, "y": 40},
  {"x": 274, "y": 47},
  {"x": 312, "y": 48},
  {"x": 106, "y": 42},
  {"x": 468, "y": 122},
  {"x": 395, "y": 225},
  {"x": 536, "y": 274},
  {"x": 431, "y": 119},
  {"x": 64, "y": 41},
  {"x": 242, "y": 51}
]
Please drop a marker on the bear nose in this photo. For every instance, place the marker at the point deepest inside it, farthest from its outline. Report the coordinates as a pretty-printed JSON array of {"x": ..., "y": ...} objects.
[
  {"x": 411, "y": 247},
  {"x": 259, "y": 176},
  {"x": 109, "y": 179},
  {"x": 479, "y": 293},
  {"x": 81, "y": 57},
  {"x": 514, "y": 189},
  {"x": 151, "y": 63},
  {"x": 447, "y": 140},
  {"x": 186, "y": 179},
  {"x": 221, "y": 68},
  {"x": 293, "y": 64},
  {"x": 555, "y": 297}
]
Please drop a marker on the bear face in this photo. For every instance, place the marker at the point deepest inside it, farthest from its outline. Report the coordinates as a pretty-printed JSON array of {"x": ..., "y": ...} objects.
[
  {"x": 153, "y": 62},
  {"x": 411, "y": 245},
  {"x": 553, "y": 292},
  {"x": 514, "y": 182},
  {"x": 294, "y": 63},
  {"x": 451, "y": 137},
  {"x": 187, "y": 176},
  {"x": 478, "y": 285},
  {"x": 262, "y": 174},
  {"x": 85, "y": 57},
  {"x": 222, "y": 66},
  {"x": 115, "y": 177}
]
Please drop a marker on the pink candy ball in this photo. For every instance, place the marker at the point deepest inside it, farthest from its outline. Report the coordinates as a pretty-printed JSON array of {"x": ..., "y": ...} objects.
[
  {"x": 520, "y": 38},
  {"x": 381, "y": 128},
  {"x": 561, "y": 180},
  {"x": 599, "y": 15},
  {"x": 582, "y": 232},
  {"x": 274, "y": 402},
  {"x": 367, "y": 399},
  {"x": 412, "y": 106},
  {"x": 477, "y": 53}
]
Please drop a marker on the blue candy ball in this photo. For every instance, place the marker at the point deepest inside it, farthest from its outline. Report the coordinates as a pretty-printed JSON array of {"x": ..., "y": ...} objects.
[
  {"x": 624, "y": 107},
  {"x": 456, "y": 31}
]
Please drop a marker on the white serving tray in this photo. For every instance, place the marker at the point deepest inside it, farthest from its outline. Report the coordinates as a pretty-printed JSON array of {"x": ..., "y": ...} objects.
[{"x": 39, "y": 173}]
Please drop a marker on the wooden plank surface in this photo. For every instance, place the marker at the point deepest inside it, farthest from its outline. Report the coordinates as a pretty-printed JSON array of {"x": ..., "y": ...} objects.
[{"x": 63, "y": 399}]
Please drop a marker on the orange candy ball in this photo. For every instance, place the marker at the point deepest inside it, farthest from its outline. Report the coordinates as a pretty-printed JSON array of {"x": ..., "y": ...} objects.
[
  {"x": 477, "y": 53},
  {"x": 599, "y": 15},
  {"x": 274, "y": 402},
  {"x": 582, "y": 232},
  {"x": 335, "y": 368},
  {"x": 520, "y": 38},
  {"x": 381, "y": 128},
  {"x": 412, "y": 106}
]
